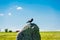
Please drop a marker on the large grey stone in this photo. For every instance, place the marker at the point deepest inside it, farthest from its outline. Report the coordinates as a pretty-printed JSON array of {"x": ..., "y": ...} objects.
[{"x": 29, "y": 32}]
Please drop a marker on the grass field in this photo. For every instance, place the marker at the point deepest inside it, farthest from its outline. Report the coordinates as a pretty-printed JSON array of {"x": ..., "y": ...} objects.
[{"x": 44, "y": 36}]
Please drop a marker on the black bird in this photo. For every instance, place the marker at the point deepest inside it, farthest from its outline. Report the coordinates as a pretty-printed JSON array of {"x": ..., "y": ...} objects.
[{"x": 29, "y": 21}]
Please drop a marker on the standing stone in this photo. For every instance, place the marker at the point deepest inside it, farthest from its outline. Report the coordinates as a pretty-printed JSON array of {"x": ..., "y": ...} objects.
[{"x": 29, "y": 32}]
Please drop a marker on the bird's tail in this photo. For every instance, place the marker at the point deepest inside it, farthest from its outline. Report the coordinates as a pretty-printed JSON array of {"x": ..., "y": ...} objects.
[{"x": 27, "y": 22}]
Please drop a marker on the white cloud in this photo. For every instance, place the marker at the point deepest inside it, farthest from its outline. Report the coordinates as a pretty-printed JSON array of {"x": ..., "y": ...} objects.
[
  {"x": 19, "y": 8},
  {"x": 9, "y": 14},
  {"x": 1, "y": 14}
]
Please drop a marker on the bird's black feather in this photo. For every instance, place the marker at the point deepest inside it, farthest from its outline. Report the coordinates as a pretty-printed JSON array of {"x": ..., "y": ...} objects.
[{"x": 29, "y": 21}]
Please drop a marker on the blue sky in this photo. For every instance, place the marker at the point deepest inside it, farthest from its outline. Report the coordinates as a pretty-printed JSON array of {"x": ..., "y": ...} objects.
[{"x": 15, "y": 13}]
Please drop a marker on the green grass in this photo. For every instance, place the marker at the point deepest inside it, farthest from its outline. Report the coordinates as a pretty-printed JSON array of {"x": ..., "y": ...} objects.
[
  {"x": 8, "y": 36},
  {"x": 44, "y": 36},
  {"x": 53, "y": 35}
]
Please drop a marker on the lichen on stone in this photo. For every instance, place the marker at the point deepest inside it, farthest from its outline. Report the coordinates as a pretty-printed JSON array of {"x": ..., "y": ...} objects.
[{"x": 29, "y": 32}]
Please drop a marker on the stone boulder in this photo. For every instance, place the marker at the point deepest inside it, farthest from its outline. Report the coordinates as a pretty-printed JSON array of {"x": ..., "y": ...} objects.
[{"x": 29, "y": 32}]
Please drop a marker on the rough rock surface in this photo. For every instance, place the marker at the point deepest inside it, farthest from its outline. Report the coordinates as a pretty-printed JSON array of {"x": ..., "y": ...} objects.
[{"x": 29, "y": 32}]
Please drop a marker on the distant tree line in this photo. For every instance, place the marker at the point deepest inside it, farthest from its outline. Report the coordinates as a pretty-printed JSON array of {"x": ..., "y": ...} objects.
[{"x": 6, "y": 30}]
